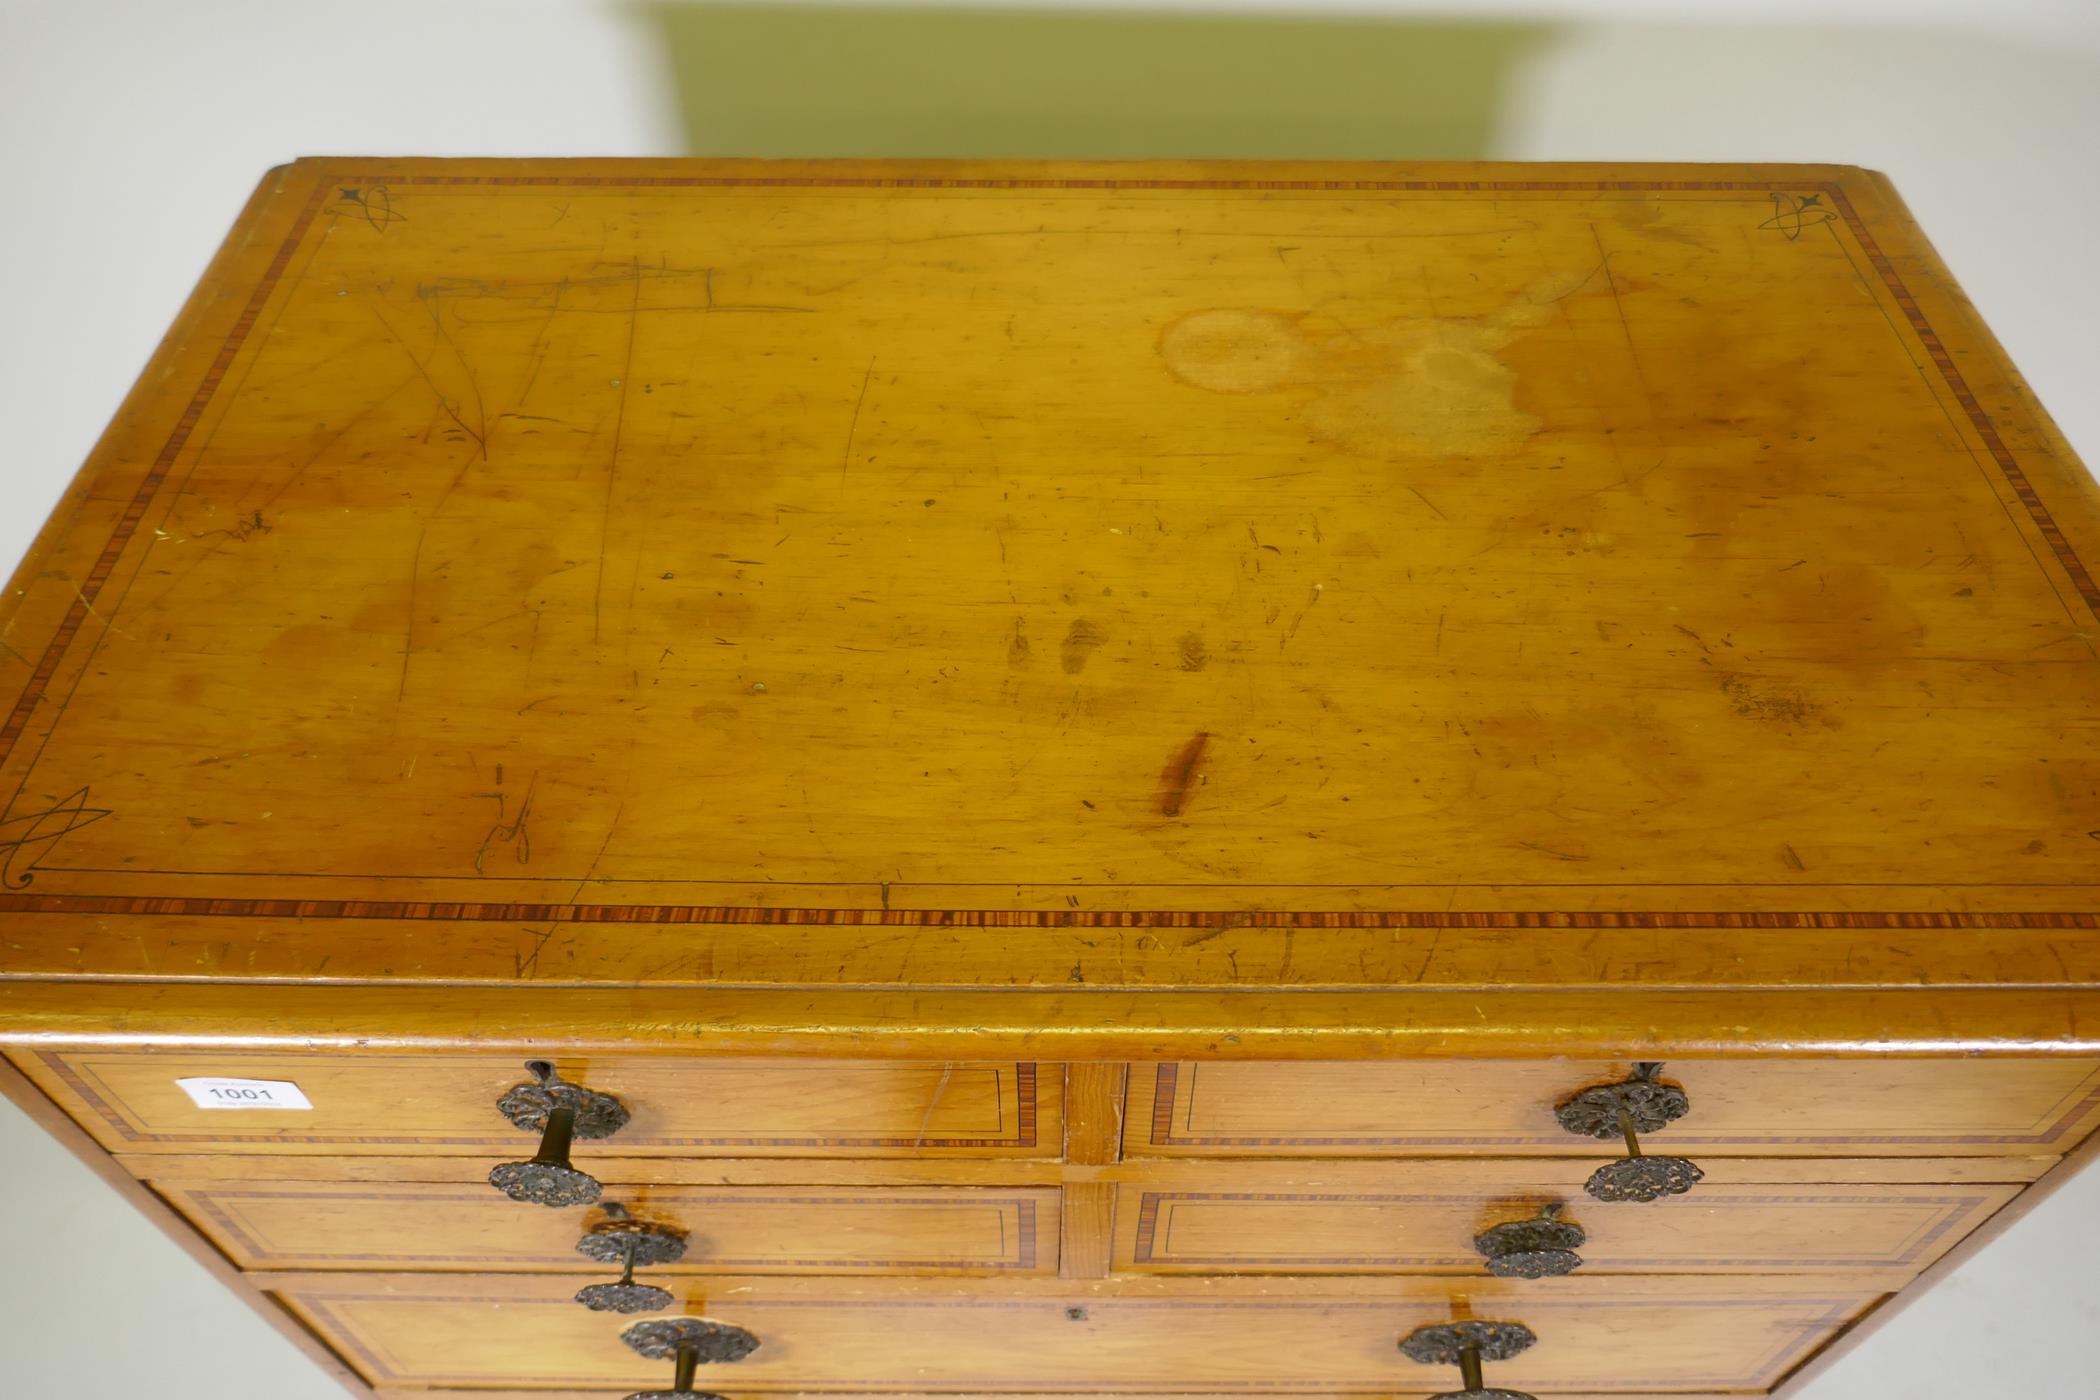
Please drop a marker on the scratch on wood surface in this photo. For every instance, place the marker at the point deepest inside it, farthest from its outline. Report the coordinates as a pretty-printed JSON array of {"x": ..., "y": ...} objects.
[
  {"x": 538, "y": 351},
  {"x": 853, "y": 427},
  {"x": 528, "y": 964},
  {"x": 423, "y": 368},
  {"x": 1427, "y": 502},
  {"x": 925, "y": 1120},
  {"x": 36, "y": 832},
  {"x": 85, "y": 603},
  {"x": 415, "y": 574},
  {"x": 1625, "y": 327},
  {"x": 1239, "y": 920},
  {"x": 612, "y": 463},
  {"x": 512, "y": 833},
  {"x": 592, "y": 869},
  {"x": 481, "y": 413}
]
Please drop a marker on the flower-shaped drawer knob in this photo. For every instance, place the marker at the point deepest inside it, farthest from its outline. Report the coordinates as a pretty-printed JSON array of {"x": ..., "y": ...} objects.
[
  {"x": 623, "y": 1240},
  {"x": 688, "y": 1343},
  {"x": 559, "y": 1111},
  {"x": 1642, "y": 1104},
  {"x": 1466, "y": 1345},
  {"x": 1542, "y": 1247}
]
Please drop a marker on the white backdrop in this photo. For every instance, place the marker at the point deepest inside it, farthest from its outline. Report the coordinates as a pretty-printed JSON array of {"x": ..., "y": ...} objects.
[{"x": 131, "y": 133}]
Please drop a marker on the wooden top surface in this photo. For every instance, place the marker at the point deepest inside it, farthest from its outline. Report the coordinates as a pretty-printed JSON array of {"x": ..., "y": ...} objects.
[{"x": 517, "y": 544}]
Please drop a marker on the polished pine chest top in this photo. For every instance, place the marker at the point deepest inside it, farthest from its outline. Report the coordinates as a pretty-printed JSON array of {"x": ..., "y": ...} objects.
[{"x": 1070, "y": 577}]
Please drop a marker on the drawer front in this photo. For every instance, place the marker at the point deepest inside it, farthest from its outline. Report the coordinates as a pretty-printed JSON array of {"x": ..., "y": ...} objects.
[
  {"x": 1893, "y": 1230},
  {"x": 1784, "y": 1108},
  {"x": 1398, "y": 1392},
  {"x": 804, "y": 1229},
  {"x": 1686, "y": 1334},
  {"x": 130, "y": 1101}
]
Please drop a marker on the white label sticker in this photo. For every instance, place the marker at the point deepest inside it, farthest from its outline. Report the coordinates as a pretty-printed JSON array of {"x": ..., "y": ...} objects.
[{"x": 244, "y": 1093}]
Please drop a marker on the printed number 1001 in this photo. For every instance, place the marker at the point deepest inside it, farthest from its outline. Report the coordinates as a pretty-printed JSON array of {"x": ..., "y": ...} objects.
[{"x": 244, "y": 1093}]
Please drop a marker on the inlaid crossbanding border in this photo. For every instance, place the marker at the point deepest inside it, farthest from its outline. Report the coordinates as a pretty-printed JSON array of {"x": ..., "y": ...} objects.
[
  {"x": 1155, "y": 1212},
  {"x": 515, "y": 911},
  {"x": 2076, "y": 1110},
  {"x": 1023, "y": 1137},
  {"x": 217, "y": 1203},
  {"x": 89, "y": 588},
  {"x": 1815, "y": 1328}
]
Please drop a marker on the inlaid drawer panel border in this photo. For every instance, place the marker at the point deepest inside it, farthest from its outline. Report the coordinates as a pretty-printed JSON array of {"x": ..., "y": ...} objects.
[
  {"x": 1022, "y": 1257},
  {"x": 381, "y": 1370},
  {"x": 1026, "y": 1114},
  {"x": 2076, "y": 1108},
  {"x": 1955, "y": 1209}
]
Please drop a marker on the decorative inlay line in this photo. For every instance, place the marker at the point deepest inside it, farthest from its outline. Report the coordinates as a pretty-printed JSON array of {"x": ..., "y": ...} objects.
[
  {"x": 488, "y": 912},
  {"x": 218, "y": 1204},
  {"x": 90, "y": 588},
  {"x": 1153, "y": 1205},
  {"x": 758, "y": 1376},
  {"x": 34, "y": 691},
  {"x": 1024, "y": 1135},
  {"x": 1166, "y": 1085},
  {"x": 2008, "y": 465}
]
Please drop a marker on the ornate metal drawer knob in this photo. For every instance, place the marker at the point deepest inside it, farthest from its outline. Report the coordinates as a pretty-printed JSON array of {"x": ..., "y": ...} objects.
[
  {"x": 1468, "y": 1344},
  {"x": 1637, "y": 1105},
  {"x": 1542, "y": 1247},
  {"x": 558, "y": 1111},
  {"x": 690, "y": 1342},
  {"x": 623, "y": 1240}
]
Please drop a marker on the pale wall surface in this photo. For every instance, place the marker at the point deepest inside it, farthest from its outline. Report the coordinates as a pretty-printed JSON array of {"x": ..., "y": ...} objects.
[{"x": 131, "y": 133}]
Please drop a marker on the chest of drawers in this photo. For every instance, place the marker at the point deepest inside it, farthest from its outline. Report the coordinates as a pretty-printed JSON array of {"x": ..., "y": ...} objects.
[{"x": 1101, "y": 780}]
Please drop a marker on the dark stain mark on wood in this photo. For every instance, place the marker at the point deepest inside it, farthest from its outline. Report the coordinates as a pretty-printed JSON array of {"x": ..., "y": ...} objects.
[
  {"x": 1194, "y": 656},
  {"x": 1080, "y": 643},
  {"x": 1792, "y": 857},
  {"x": 1017, "y": 649},
  {"x": 1179, "y": 778},
  {"x": 1770, "y": 702}
]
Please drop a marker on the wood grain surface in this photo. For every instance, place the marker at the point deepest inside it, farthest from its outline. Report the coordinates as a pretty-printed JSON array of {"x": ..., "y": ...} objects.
[
  {"x": 1892, "y": 1231},
  {"x": 1075, "y": 741},
  {"x": 1796, "y": 1108},
  {"x": 1287, "y": 1336},
  {"x": 1058, "y": 575},
  {"x": 446, "y": 1105},
  {"x": 468, "y": 1228}
]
